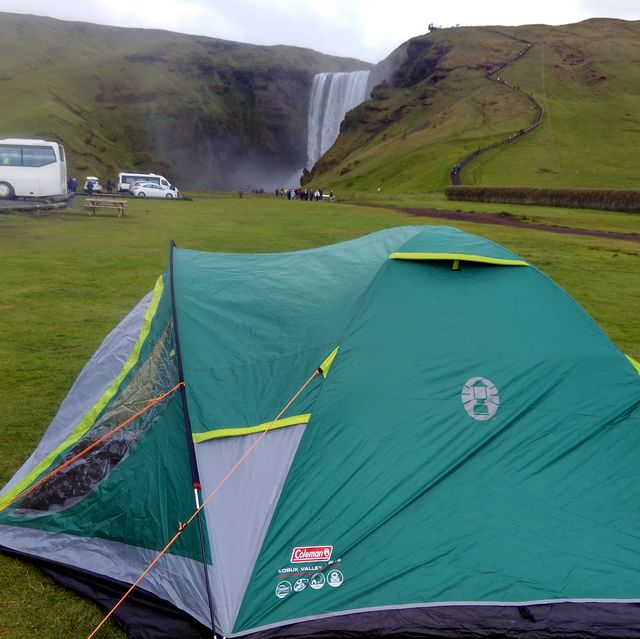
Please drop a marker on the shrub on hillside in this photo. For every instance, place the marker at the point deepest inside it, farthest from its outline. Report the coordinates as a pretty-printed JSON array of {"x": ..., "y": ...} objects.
[{"x": 602, "y": 199}]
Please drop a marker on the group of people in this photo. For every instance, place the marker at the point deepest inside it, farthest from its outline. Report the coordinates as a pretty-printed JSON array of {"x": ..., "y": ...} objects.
[{"x": 306, "y": 195}]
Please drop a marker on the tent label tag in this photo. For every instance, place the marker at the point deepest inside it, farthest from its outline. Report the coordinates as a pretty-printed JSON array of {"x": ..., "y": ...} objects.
[{"x": 303, "y": 554}]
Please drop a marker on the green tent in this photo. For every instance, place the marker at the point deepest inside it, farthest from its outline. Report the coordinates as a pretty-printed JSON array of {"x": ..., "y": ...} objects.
[{"x": 458, "y": 457}]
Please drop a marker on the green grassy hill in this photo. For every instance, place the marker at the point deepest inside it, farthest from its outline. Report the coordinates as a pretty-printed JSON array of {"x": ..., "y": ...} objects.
[
  {"x": 216, "y": 114},
  {"x": 439, "y": 106},
  {"x": 207, "y": 113}
]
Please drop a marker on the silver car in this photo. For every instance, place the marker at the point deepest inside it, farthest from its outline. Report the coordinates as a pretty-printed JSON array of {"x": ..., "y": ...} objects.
[{"x": 149, "y": 189}]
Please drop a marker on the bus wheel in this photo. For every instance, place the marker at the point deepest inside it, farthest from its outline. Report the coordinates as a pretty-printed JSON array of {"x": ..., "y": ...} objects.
[{"x": 6, "y": 191}]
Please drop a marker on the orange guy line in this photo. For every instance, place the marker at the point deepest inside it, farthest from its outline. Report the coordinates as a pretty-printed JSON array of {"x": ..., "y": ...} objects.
[
  {"x": 55, "y": 471},
  {"x": 182, "y": 526}
]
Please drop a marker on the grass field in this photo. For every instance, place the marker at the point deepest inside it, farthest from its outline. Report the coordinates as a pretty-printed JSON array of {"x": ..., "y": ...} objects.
[{"x": 67, "y": 279}]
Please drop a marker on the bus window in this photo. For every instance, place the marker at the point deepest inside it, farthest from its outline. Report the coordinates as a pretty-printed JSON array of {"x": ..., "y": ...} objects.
[
  {"x": 38, "y": 155},
  {"x": 10, "y": 155}
]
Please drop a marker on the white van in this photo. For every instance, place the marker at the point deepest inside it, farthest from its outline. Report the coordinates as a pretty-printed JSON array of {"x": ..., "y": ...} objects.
[{"x": 126, "y": 181}]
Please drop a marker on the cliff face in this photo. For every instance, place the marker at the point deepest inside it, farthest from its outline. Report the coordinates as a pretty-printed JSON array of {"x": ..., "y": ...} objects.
[
  {"x": 234, "y": 126},
  {"x": 419, "y": 61},
  {"x": 206, "y": 113}
]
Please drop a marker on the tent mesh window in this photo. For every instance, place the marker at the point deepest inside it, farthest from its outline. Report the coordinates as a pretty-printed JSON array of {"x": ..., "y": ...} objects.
[{"x": 157, "y": 374}]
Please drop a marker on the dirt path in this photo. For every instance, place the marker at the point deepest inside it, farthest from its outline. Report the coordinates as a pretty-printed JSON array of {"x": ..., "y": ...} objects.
[{"x": 506, "y": 220}]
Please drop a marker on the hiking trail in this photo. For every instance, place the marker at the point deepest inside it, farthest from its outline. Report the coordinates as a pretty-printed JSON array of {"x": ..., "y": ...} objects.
[{"x": 456, "y": 169}]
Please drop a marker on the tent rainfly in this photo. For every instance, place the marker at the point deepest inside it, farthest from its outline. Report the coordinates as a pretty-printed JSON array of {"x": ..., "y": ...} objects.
[{"x": 411, "y": 433}]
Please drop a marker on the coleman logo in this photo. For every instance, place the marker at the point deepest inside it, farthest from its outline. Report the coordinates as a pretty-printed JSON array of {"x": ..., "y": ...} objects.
[
  {"x": 480, "y": 398},
  {"x": 303, "y": 554}
]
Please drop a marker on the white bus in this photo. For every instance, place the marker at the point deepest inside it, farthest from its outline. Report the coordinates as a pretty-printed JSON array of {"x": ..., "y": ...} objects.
[
  {"x": 127, "y": 180},
  {"x": 31, "y": 168}
]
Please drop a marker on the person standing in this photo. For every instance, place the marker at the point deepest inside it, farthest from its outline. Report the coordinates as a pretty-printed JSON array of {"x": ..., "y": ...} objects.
[{"x": 109, "y": 186}]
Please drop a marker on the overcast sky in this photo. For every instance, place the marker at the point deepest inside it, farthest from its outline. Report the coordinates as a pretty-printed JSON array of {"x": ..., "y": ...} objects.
[{"x": 365, "y": 29}]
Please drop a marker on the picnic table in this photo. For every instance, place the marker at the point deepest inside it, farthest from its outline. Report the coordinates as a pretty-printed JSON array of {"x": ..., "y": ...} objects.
[{"x": 117, "y": 203}]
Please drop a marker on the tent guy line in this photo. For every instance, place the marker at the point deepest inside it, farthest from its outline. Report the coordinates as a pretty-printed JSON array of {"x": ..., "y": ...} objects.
[{"x": 181, "y": 525}]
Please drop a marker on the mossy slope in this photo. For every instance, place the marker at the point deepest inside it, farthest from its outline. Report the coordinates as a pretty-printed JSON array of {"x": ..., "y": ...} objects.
[{"x": 438, "y": 105}]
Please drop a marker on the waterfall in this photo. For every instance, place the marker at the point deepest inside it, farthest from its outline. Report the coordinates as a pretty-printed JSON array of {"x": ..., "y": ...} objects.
[{"x": 332, "y": 95}]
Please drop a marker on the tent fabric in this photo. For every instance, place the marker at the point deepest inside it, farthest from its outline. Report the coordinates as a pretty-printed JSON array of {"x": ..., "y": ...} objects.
[
  {"x": 177, "y": 581},
  {"x": 276, "y": 317},
  {"x": 438, "y": 246},
  {"x": 463, "y": 463},
  {"x": 513, "y": 507},
  {"x": 141, "y": 615},
  {"x": 259, "y": 482}
]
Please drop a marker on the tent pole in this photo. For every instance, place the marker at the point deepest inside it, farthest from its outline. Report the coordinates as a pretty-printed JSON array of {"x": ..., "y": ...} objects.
[
  {"x": 195, "y": 476},
  {"x": 204, "y": 562}
]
